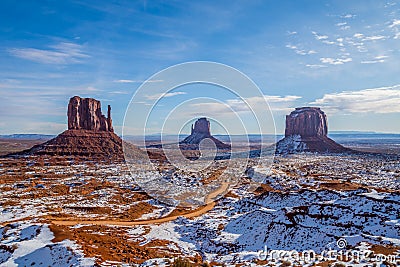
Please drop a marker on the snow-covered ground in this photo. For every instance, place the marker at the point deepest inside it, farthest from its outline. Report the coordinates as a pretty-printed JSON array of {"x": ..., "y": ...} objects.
[
  {"x": 237, "y": 230},
  {"x": 310, "y": 202},
  {"x": 29, "y": 244}
]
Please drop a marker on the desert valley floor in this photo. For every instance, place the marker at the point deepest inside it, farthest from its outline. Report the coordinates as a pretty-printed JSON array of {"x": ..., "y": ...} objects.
[{"x": 57, "y": 211}]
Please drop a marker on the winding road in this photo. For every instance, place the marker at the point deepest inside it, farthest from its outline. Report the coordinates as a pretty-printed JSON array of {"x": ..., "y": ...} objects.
[{"x": 195, "y": 213}]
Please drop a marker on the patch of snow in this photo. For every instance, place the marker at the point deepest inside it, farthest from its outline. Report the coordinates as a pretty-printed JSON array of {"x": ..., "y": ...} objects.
[
  {"x": 18, "y": 213},
  {"x": 291, "y": 144},
  {"x": 374, "y": 194},
  {"x": 166, "y": 231},
  {"x": 33, "y": 247},
  {"x": 162, "y": 262}
]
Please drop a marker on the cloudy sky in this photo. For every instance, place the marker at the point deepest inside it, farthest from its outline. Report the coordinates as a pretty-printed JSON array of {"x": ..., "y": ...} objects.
[{"x": 343, "y": 56}]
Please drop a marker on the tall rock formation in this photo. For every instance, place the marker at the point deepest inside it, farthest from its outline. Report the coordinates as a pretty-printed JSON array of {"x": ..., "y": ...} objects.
[
  {"x": 306, "y": 121},
  {"x": 90, "y": 135},
  {"x": 306, "y": 131},
  {"x": 201, "y": 130},
  {"x": 85, "y": 114},
  {"x": 109, "y": 120},
  {"x": 201, "y": 126}
]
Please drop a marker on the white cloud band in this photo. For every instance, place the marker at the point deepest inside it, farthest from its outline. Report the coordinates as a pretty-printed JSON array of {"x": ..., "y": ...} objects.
[{"x": 374, "y": 100}]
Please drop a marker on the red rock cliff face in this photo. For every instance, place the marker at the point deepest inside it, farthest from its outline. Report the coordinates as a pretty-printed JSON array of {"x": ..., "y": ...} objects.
[
  {"x": 306, "y": 131},
  {"x": 85, "y": 114},
  {"x": 306, "y": 122}
]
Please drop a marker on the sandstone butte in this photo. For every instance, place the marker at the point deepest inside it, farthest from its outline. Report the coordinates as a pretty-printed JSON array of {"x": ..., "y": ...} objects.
[
  {"x": 200, "y": 131},
  {"x": 90, "y": 135},
  {"x": 306, "y": 131}
]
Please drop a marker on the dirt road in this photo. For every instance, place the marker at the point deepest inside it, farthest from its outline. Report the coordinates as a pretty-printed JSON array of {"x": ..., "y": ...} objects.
[{"x": 194, "y": 213}]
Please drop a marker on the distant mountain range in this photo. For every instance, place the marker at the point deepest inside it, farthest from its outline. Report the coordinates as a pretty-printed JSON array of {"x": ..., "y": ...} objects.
[
  {"x": 354, "y": 132},
  {"x": 28, "y": 136},
  {"x": 157, "y": 136}
]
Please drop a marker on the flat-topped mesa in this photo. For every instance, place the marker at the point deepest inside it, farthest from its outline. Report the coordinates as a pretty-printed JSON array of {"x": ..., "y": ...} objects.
[
  {"x": 306, "y": 122},
  {"x": 200, "y": 131},
  {"x": 306, "y": 131},
  {"x": 85, "y": 114}
]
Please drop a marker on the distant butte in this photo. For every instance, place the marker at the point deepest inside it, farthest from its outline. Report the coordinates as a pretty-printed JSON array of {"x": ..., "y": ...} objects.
[
  {"x": 200, "y": 131},
  {"x": 90, "y": 134},
  {"x": 306, "y": 131}
]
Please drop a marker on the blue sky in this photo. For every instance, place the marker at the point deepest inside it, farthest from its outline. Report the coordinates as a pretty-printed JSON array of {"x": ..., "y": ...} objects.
[{"x": 343, "y": 56}]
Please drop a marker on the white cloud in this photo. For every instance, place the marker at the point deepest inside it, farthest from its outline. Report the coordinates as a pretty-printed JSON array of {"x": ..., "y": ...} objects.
[
  {"x": 375, "y": 100},
  {"x": 389, "y": 4},
  {"x": 71, "y": 49},
  {"x": 124, "y": 81},
  {"x": 291, "y": 46},
  {"x": 362, "y": 49},
  {"x": 319, "y": 37},
  {"x": 372, "y": 61},
  {"x": 315, "y": 66},
  {"x": 304, "y": 52},
  {"x": 337, "y": 61},
  {"x": 291, "y": 33},
  {"x": 62, "y": 53},
  {"x": 374, "y": 38},
  {"x": 277, "y": 104},
  {"x": 397, "y": 35},
  {"x": 157, "y": 96},
  {"x": 348, "y": 16},
  {"x": 328, "y": 42},
  {"x": 137, "y": 81},
  {"x": 341, "y": 24},
  {"x": 277, "y": 99},
  {"x": 301, "y": 51},
  {"x": 395, "y": 22},
  {"x": 119, "y": 92},
  {"x": 340, "y": 41},
  {"x": 358, "y": 35},
  {"x": 377, "y": 59},
  {"x": 26, "y": 109}
]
